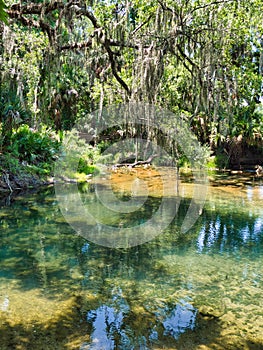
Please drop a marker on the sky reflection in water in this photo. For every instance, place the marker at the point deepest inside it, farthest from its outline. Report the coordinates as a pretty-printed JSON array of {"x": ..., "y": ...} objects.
[{"x": 149, "y": 294}]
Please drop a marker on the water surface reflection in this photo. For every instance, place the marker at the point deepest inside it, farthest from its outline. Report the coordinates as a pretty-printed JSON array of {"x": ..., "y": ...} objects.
[{"x": 203, "y": 288}]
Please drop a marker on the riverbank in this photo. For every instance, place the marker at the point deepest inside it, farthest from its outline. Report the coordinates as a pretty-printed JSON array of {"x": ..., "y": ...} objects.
[
  {"x": 21, "y": 181},
  {"x": 11, "y": 182}
]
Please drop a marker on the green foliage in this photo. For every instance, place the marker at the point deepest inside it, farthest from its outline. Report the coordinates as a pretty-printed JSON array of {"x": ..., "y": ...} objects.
[
  {"x": 3, "y": 14},
  {"x": 12, "y": 114},
  {"x": 10, "y": 162},
  {"x": 34, "y": 146},
  {"x": 22, "y": 51},
  {"x": 201, "y": 59},
  {"x": 85, "y": 167},
  {"x": 79, "y": 157},
  {"x": 31, "y": 151},
  {"x": 9, "y": 101},
  {"x": 103, "y": 145},
  {"x": 211, "y": 163},
  {"x": 221, "y": 160}
]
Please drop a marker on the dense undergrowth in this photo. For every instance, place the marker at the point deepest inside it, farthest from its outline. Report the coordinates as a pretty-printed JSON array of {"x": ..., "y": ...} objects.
[{"x": 32, "y": 153}]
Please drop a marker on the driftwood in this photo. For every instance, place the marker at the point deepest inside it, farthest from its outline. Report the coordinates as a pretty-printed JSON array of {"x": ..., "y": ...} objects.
[
  {"x": 138, "y": 162},
  {"x": 6, "y": 179},
  {"x": 259, "y": 170}
]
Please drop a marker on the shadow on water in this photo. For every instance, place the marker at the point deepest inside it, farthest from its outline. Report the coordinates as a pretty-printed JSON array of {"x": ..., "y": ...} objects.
[
  {"x": 109, "y": 328},
  {"x": 163, "y": 294}
]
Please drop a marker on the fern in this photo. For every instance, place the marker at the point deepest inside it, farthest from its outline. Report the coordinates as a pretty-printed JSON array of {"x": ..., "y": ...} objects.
[
  {"x": 3, "y": 14},
  {"x": 10, "y": 100}
]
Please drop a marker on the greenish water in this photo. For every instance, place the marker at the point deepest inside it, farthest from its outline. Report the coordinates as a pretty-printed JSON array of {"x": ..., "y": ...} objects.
[{"x": 199, "y": 290}]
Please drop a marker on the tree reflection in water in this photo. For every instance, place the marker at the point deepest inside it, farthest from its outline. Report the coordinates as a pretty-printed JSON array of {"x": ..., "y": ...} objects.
[{"x": 194, "y": 288}]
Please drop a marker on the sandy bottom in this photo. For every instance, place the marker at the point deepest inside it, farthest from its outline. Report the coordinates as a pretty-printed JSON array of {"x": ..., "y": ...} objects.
[{"x": 230, "y": 307}]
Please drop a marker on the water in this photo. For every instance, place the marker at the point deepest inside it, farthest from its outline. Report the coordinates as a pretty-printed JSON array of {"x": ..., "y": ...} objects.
[{"x": 200, "y": 290}]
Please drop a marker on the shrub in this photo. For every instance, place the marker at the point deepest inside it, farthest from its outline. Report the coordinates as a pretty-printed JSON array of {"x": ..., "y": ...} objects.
[{"x": 33, "y": 146}]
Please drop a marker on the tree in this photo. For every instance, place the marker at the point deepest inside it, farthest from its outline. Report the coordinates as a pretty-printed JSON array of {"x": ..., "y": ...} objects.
[{"x": 200, "y": 57}]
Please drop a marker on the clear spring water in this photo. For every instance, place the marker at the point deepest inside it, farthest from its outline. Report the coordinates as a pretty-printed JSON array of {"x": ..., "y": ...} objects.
[{"x": 199, "y": 290}]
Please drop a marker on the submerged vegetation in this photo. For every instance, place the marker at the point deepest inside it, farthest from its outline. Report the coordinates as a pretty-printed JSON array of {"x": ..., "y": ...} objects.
[
  {"x": 180, "y": 291},
  {"x": 201, "y": 60}
]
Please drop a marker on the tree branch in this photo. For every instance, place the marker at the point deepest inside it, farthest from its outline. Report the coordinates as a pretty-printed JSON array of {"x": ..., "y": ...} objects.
[
  {"x": 75, "y": 46},
  {"x": 84, "y": 12},
  {"x": 141, "y": 25},
  {"x": 210, "y": 4},
  {"x": 113, "y": 66},
  {"x": 19, "y": 11},
  {"x": 166, "y": 8},
  {"x": 188, "y": 59},
  {"x": 28, "y": 22},
  {"x": 37, "y": 9}
]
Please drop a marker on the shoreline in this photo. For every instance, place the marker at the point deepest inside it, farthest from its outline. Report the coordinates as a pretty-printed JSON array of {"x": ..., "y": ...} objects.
[{"x": 11, "y": 183}]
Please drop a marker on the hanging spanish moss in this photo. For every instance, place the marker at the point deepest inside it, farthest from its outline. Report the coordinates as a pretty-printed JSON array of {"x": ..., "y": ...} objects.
[{"x": 64, "y": 59}]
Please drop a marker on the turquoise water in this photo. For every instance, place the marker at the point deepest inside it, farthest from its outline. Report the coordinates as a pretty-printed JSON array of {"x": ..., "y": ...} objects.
[{"x": 199, "y": 290}]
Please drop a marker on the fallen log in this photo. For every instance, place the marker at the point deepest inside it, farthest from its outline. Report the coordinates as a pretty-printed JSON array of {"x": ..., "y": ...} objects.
[{"x": 138, "y": 162}]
